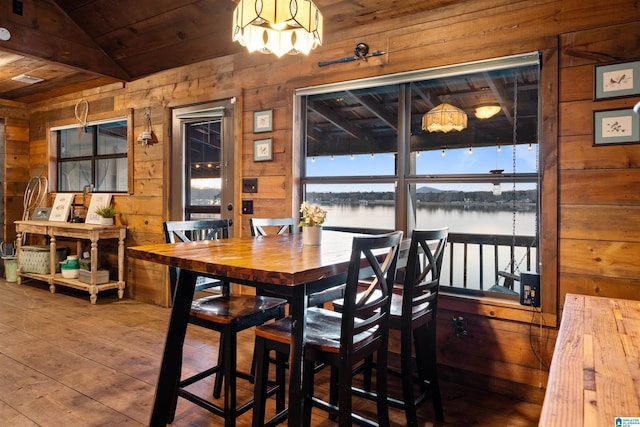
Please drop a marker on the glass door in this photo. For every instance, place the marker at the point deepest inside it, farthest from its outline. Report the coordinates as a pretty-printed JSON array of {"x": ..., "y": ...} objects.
[{"x": 202, "y": 162}]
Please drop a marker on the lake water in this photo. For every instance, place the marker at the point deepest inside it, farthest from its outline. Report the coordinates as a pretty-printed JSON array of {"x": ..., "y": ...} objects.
[{"x": 459, "y": 220}]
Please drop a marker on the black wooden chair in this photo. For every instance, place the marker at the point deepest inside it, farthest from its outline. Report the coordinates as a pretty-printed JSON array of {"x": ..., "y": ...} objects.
[
  {"x": 341, "y": 341},
  {"x": 413, "y": 313},
  {"x": 188, "y": 231},
  {"x": 225, "y": 313},
  {"x": 284, "y": 225}
]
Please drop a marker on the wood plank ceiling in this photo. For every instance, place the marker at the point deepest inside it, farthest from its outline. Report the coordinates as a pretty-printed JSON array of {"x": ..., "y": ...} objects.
[
  {"x": 75, "y": 45},
  {"x": 79, "y": 44}
]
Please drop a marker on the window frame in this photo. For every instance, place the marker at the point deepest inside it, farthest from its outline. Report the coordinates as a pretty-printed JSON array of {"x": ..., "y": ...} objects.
[
  {"x": 547, "y": 60},
  {"x": 101, "y": 118}
]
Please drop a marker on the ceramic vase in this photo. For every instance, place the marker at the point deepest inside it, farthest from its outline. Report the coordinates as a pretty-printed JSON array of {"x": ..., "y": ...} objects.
[
  {"x": 311, "y": 236},
  {"x": 106, "y": 221}
]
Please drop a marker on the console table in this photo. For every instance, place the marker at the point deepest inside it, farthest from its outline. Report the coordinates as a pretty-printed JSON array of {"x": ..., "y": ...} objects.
[
  {"x": 595, "y": 375},
  {"x": 79, "y": 231}
]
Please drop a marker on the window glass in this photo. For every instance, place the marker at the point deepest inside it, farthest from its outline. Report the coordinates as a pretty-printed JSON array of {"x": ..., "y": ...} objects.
[
  {"x": 460, "y": 165},
  {"x": 350, "y": 125},
  {"x": 359, "y": 206},
  {"x": 94, "y": 156}
]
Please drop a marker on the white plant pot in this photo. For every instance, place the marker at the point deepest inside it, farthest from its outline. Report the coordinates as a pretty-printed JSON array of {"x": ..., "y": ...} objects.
[
  {"x": 106, "y": 221},
  {"x": 311, "y": 236}
]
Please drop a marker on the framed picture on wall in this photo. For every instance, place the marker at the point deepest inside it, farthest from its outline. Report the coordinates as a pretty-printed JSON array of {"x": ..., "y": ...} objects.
[
  {"x": 262, "y": 150},
  {"x": 616, "y": 127},
  {"x": 262, "y": 121},
  {"x": 617, "y": 80}
]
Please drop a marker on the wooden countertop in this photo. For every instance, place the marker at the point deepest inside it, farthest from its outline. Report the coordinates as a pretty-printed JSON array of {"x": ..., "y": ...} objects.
[{"x": 595, "y": 371}]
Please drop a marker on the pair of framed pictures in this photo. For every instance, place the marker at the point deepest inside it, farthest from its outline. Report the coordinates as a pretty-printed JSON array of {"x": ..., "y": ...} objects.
[
  {"x": 619, "y": 126},
  {"x": 262, "y": 148},
  {"x": 61, "y": 208}
]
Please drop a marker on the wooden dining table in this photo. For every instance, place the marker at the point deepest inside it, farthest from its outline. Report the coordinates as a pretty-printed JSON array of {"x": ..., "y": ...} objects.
[{"x": 278, "y": 263}]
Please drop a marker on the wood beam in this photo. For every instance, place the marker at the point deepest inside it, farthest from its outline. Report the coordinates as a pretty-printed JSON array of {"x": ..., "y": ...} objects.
[{"x": 45, "y": 32}]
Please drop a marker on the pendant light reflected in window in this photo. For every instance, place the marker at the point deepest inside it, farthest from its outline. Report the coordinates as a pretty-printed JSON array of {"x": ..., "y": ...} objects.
[{"x": 444, "y": 118}]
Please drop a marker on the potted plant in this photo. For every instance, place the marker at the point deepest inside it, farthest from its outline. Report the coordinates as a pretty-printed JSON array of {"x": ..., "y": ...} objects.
[
  {"x": 311, "y": 220},
  {"x": 106, "y": 213}
]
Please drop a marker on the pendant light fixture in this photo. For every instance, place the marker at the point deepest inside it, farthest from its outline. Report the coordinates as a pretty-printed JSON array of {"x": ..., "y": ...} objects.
[
  {"x": 277, "y": 26},
  {"x": 444, "y": 118},
  {"x": 487, "y": 111}
]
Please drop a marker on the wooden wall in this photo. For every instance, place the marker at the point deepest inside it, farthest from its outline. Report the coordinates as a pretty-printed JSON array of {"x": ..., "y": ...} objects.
[
  {"x": 597, "y": 228},
  {"x": 16, "y": 164}
]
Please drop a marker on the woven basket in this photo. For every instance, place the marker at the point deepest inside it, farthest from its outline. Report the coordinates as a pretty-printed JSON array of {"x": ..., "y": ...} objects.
[{"x": 35, "y": 259}]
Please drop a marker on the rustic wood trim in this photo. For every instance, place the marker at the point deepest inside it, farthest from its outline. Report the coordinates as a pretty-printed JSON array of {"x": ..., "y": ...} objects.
[{"x": 548, "y": 216}]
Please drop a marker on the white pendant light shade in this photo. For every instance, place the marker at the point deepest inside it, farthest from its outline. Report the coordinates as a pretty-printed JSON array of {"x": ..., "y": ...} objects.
[
  {"x": 277, "y": 26},
  {"x": 444, "y": 118},
  {"x": 487, "y": 111}
]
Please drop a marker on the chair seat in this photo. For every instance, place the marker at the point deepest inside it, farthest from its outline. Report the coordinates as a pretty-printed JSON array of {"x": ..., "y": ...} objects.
[
  {"x": 323, "y": 330},
  {"x": 242, "y": 310}
]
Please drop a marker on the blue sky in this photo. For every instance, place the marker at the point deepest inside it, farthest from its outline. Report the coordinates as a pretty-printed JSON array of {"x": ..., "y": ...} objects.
[{"x": 480, "y": 161}]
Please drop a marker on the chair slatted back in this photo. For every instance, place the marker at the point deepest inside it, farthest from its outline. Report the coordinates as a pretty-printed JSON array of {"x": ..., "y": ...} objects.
[
  {"x": 422, "y": 279},
  {"x": 375, "y": 257},
  {"x": 285, "y": 225},
  {"x": 189, "y": 231}
]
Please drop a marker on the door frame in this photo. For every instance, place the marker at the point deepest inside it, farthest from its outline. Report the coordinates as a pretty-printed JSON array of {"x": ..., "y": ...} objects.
[{"x": 177, "y": 158}]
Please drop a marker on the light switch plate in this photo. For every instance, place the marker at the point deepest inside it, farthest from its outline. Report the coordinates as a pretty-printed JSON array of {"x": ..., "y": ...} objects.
[
  {"x": 247, "y": 207},
  {"x": 250, "y": 185}
]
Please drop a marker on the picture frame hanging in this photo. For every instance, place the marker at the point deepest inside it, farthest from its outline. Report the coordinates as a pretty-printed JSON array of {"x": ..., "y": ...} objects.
[
  {"x": 262, "y": 150},
  {"x": 61, "y": 207},
  {"x": 263, "y": 121},
  {"x": 620, "y": 126},
  {"x": 617, "y": 80}
]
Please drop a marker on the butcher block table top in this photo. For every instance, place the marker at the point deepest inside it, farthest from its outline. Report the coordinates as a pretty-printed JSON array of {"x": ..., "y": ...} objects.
[{"x": 595, "y": 371}]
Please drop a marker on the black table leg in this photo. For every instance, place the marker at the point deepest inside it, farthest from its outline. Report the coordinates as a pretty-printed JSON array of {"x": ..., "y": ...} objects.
[
  {"x": 167, "y": 388},
  {"x": 298, "y": 309}
]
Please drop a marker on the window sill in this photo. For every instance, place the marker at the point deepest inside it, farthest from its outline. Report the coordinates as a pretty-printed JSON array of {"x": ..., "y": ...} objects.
[{"x": 496, "y": 308}]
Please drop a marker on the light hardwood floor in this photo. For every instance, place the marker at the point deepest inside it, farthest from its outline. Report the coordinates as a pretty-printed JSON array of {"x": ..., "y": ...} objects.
[{"x": 65, "y": 362}]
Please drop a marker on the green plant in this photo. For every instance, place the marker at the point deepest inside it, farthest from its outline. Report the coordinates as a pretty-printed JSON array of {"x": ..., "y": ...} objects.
[{"x": 106, "y": 211}]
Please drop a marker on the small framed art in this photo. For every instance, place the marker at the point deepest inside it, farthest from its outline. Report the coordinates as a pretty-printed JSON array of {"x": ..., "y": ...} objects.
[
  {"x": 41, "y": 214},
  {"x": 262, "y": 150},
  {"x": 617, "y": 80},
  {"x": 61, "y": 207},
  {"x": 616, "y": 127},
  {"x": 98, "y": 200},
  {"x": 262, "y": 121}
]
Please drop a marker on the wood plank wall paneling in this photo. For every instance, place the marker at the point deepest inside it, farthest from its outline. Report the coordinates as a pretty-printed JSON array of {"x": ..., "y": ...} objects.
[
  {"x": 593, "y": 181},
  {"x": 599, "y": 232},
  {"x": 16, "y": 172}
]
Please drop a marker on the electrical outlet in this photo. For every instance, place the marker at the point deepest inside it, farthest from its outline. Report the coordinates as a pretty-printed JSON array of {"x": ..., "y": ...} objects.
[
  {"x": 460, "y": 326},
  {"x": 17, "y": 7},
  {"x": 530, "y": 288}
]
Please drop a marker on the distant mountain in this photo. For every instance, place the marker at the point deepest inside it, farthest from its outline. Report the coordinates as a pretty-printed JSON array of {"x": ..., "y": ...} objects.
[{"x": 428, "y": 190}]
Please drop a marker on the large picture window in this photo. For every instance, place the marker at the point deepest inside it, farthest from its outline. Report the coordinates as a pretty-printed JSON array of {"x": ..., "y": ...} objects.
[
  {"x": 93, "y": 157},
  {"x": 378, "y": 154}
]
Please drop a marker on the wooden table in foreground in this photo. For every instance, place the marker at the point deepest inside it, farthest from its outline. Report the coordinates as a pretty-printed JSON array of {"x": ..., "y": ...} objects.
[
  {"x": 279, "y": 263},
  {"x": 595, "y": 371}
]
